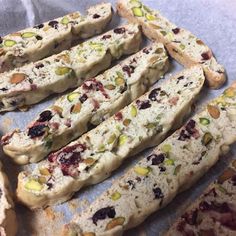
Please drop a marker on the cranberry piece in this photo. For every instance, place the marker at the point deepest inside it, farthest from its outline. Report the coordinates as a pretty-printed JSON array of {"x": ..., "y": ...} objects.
[
  {"x": 1, "y": 40},
  {"x": 207, "y": 232},
  {"x": 128, "y": 69},
  {"x": 191, "y": 217},
  {"x": 157, "y": 159},
  {"x": 36, "y": 131},
  {"x": 38, "y": 26},
  {"x": 96, "y": 16},
  {"x": 53, "y": 24},
  {"x": 68, "y": 160},
  {"x": 120, "y": 30},
  {"x": 131, "y": 183},
  {"x": 3, "y": 89},
  {"x": 83, "y": 98},
  {"x": 153, "y": 94},
  {"x": 162, "y": 168},
  {"x": 103, "y": 213},
  {"x": 38, "y": 37},
  {"x": 176, "y": 30},
  {"x": 39, "y": 65},
  {"x": 143, "y": 104},
  {"x": 45, "y": 116},
  {"x": 190, "y": 126},
  {"x": 106, "y": 36},
  {"x": 181, "y": 225},
  {"x": 205, "y": 56},
  {"x": 118, "y": 116},
  {"x": 145, "y": 50},
  {"x": 188, "y": 132},
  {"x": 180, "y": 78},
  {"x": 204, "y": 206},
  {"x": 158, "y": 193}
]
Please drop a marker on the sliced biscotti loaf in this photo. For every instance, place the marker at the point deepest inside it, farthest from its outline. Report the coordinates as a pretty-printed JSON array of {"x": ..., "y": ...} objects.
[
  {"x": 34, "y": 82},
  {"x": 92, "y": 157},
  {"x": 213, "y": 213},
  {"x": 94, "y": 101},
  {"x": 8, "y": 223},
  {"x": 43, "y": 40},
  {"x": 181, "y": 44},
  {"x": 172, "y": 167}
]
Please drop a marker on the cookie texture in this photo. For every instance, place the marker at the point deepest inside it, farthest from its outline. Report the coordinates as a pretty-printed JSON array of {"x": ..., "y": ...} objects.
[
  {"x": 94, "y": 101},
  {"x": 91, "y": 158},
  {"x": 174, "y": 166},
  {"x": 33, "y": 82},
  {"x": 213, "y": 213},
  {"x": 43, "y": 40},
  {"x": 181, "y": 44},
  {"x": 8, "y": 223}
]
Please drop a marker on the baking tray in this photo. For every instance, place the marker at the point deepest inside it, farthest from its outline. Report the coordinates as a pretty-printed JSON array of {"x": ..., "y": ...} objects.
[{"x": 213, "y": 21}]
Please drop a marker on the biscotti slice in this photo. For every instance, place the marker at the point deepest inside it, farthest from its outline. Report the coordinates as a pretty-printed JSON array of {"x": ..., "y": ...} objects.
[
  {"x": 92, "y": 157},
  {"x": 172, "y": 167},
  {"x": 94, "y": 101},
  {"x": 8, "y": 223},
  {"x": 43, "y": 40},
  {"x": 181, "y": 44},
  {"x": 34, "y": 82},
  {"x": 213, "y": 213}
]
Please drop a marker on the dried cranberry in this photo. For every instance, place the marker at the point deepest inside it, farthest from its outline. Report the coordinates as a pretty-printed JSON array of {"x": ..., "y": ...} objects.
[
  {"x": 188, "y": 131},
  {"x": 95, "y": 16},
  {"x": 53, "y": 24},
  {"x": 158, "y": 193},
  {"x": 205, "y": 56},
  {"x": 162, "y": 168},
  {"x": 1, "y": 40},
  {"x": 38, "y": 37},
  {"x": 212, "y": 206},
  {"x": 120, "y": 30},
  {"x": 45, "y": 116},
  {"x": 190, "y": 126},
  {"x": 176, "y": 30},
  {"x": 180, "y": 78},
  {"x": 103, "y": 213},
  {"x": 39, "y": 65},
  {"x": 128, "y": 69},
  {"x": 153, "y": 94},
  {"x": 37, "y": 131},
  {"x": 106, "y": 36},
  {"x": 207, "y": 232},
  {"x": 68, "y": 160},
  {"x": 181, "y": 225},
  {"x": 143, "y": 104},
  {"x": 3, "y": 89},
  {"x": 83, "y": 98},
  {"x": 38, "y": 26},
  {"x": 157, "y": 159},
  {"x": 233, "y": 179},
  {"x": 33, "y": 87},
  {"x": 146, "y": 50},
  {"x": 183, "y": 136},
  {"x": 191, "y": 217},
  {"x": 131, "y": 183},
  {"x": 118, "y": 116}
]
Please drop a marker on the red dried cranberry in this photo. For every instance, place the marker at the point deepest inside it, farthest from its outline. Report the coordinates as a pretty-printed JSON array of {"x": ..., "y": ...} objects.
[
  {"x": 83, "y": 98},
  {"x": 1, "y": 40},
  {"x": 120, "y": 30},
  {"x": 106, "y": 36},
  {"x": 188, "y": 131},
  {"x": 33, "y": 87},
  {"x": 3, "y": 89},
  {"x": 146, "y": 50},
  {"x": 69, "y": 159},
  {"x": 158, "y": 193},
  {"x": 143, "y": 104},
  {"x": 181, "y": 225},
  {"x": 39, "y": 65},
  {"x": 162, "y": 168},
  {"x": 53, "y": 24},
  {"x": 205, "y": 56},
  {"x": 131, "y": 183},
  {"x": 96, "y": 16},
  {"x": 233, "y": 179},
  {"x": 38, "y": 26},
  {"x": 103, "y": 213},
  {"x": 190, "y": 126},
  {"x": 176, "y": 30},
  {"x": 45, "y": 116},
  {"x": 37, "y": 131},
  {"x": 157, "y": 159},
  {"x": 191, "y": 217},
  {"x": 128, "y": 69},
  {"x": 153, "y": 94},
  {"x": 38, "y": 37},
  {"x": 207, "y": 232},
  {"x": 118, "y": 116}
]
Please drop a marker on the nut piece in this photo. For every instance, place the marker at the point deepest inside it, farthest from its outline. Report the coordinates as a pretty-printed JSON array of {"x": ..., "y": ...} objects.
[
  {"x": 213, "y": 111},
  {"x": 17, "y": 78},
  {"x": 115, "y": 222},
  {"x": 44, "y": 171},
  {"x": 28, "y": 34},
  {"x": 9, "y": 43},
  {"x": 76, "y": 108},
  {"x": 142, "y": 170},
  {"x": 86, "y": 234},
  {"x": 227, "y": 174},
  {"x": 72, "y": 96},
  {"x": 207, "y": 138},
  {"x": 230, "y": 92},
  {"x": 62, "y": 70},
  {"x": 133, "y": 111},
  {"x": 122, "y": 139},
  {"x": 33, "y": 184},
  {"x": 115, "y": 196}
]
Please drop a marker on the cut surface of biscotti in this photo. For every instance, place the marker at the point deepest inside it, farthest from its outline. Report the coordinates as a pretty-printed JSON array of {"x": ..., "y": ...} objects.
[
  {"x": 181, "y": 44},
  {"x": 43, "y": 40},
  {"x": 91, "y": 158},
  {"x": 93, "y": 102},
  {"x": 8, "y": 223},
  {"x": 214, "y": 212},
  {"x": 172, "y": 167},
  {"x": 68, "y": 69}
]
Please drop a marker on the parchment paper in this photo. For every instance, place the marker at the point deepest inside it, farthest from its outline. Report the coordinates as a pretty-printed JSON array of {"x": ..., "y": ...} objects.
[{"x": 211, "y": 20}]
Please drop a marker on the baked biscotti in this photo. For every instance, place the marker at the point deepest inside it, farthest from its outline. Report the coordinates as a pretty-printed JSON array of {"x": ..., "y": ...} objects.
[
  {"x": 8, "y": 223},
  {"x": 181, "y": 44},
  {"x": 33, "y": 82},
  {"x": 92, "y": 157},
  {"x": 172, "y": 167},
  {"x": 94, "y": 101},
  {"x": 43, "y": 40},
  {"x": 213, "y": 213}
]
